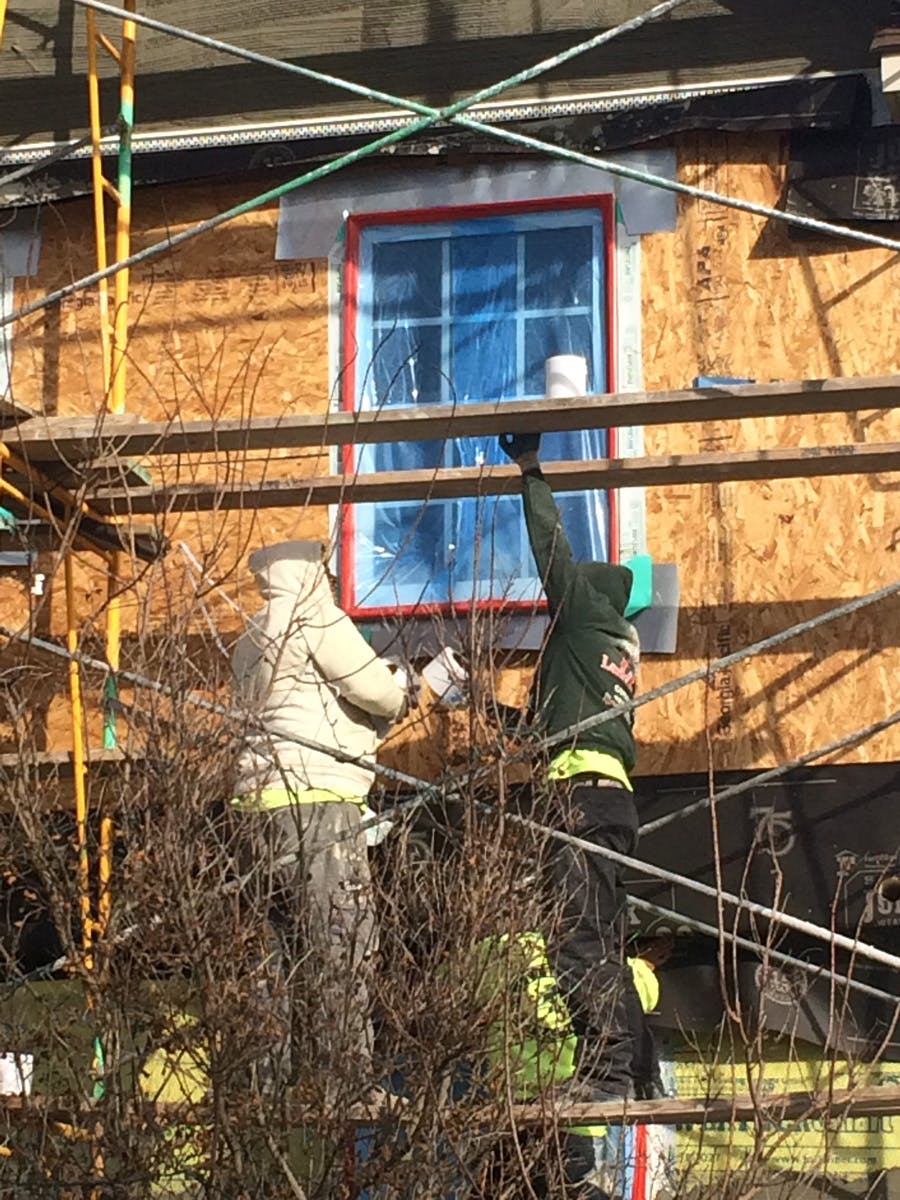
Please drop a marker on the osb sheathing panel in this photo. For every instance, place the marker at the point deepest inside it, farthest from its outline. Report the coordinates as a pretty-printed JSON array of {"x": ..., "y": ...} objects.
[
  {"x": 735, "y": 295},
  {"x": 219, "y": 328}
]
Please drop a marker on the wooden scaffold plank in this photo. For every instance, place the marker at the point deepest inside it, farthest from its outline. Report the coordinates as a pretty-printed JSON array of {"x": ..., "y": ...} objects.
[
  {"x": 82, "y": 439},
  {"x": 870, "y": 1101},
  {"x": 55, "y": 764},
  {"x": 452, "y": 483}
]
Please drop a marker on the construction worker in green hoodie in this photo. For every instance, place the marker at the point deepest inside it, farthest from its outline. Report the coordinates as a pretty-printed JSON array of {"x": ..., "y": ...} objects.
[{"x": 588, "y": 664}]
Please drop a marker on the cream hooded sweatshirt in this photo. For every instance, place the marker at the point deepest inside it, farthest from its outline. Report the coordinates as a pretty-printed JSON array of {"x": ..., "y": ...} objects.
[{"x": 302, "y": 667}]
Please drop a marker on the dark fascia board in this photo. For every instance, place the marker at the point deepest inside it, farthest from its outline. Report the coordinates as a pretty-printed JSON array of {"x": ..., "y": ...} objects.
[
  {"x": 887, "y": 38},
  {"x": 823, "y": 104}
]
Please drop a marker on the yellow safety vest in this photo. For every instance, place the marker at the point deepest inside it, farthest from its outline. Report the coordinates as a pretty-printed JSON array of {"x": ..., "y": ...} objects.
[{"x": 535, "y": 1046}]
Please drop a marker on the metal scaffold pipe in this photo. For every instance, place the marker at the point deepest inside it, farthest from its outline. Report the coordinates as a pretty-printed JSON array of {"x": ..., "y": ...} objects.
[
  {"x": 330, "y": 168},
  {"x": 762, "y": 951},
  {"x": 453, "y": 114},
  {"x": 48, "y": 160},
  {"x": 142, "y": 681},
  {"x": 722, "y": 664},
  {"x": 798, "y": 924},
  {"x": 427, "y": 791},
  {"x": 737, "y": 789}
]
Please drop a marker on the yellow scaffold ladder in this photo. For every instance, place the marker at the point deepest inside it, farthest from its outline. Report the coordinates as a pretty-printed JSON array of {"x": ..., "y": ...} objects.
[{"x": 113, "y": 311}]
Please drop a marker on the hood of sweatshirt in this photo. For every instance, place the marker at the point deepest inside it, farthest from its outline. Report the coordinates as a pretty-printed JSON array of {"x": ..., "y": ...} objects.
[
  {"x": 291, "y": 571},
  {"x": 612, "y": 581}
]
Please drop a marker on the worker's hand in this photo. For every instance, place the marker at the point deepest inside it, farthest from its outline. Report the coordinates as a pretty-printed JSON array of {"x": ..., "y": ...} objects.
[
  {"x": 409, "y": 681},
  {"x": 522, "y": 448}
]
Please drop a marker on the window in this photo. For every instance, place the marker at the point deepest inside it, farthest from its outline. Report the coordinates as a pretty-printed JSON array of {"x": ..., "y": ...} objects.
[{"x": 456, "y": 306}]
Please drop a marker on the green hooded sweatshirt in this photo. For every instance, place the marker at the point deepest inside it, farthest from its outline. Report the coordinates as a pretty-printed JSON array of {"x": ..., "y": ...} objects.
[{"x": 590, "y": 655}]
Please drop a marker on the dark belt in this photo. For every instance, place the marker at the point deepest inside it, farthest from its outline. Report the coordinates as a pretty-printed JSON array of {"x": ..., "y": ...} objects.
[{"x": 591, "y": 779}]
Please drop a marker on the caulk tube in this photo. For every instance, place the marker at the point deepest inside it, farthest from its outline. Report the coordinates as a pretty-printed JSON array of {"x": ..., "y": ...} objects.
[{"x": 565, "y": 375}]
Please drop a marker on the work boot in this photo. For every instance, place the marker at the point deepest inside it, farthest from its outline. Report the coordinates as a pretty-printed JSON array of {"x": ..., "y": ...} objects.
[{"x": 593, "y": 1152}]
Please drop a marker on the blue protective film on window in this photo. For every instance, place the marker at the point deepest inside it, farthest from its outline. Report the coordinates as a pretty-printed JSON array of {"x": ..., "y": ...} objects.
[{"x": 457, "y": 314}]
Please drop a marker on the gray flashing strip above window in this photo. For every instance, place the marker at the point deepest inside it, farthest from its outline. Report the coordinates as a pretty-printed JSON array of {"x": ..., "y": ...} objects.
[
  {"x": 308, "y": 224},
  {"x": 422, "y": 637}
]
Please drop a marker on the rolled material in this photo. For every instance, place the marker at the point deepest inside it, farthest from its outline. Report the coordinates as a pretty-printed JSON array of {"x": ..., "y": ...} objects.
[{"x": 565, "y": 375}]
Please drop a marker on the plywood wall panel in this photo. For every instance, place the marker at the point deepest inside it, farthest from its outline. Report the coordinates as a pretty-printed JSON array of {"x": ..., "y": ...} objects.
[
  {"x": 741, "y": 298},
  {"x": 216, "y": 328}
]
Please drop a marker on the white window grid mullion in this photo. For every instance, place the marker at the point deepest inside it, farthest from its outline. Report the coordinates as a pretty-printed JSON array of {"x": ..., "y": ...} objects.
[
  {"x": 571, "y": 310},
  {"x": 600, "y": 334},
  {"x": 524, "y": 544},
  {"x": 600, "y": 343},
  {"x": 447, "y": 393},
  {"x": 520, "y": 314},
  {"x": 446, "y": 322},
  {"x": 365, "y": 333}
]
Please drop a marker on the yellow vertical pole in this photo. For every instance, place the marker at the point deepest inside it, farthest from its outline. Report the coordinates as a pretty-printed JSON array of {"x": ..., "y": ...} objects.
[
  {"x": 79, "y": 763},
  {"x": 114, "y": 346},
  {"x": 98, "y": 190},
  {"x": 114, "y": 337},
  {"x": 123, "y": 212},
  {"x": 2, "y": 18}
]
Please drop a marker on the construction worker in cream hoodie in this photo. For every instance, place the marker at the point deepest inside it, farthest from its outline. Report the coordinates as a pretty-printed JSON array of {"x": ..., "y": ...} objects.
[{"x": 302, "y": 670}]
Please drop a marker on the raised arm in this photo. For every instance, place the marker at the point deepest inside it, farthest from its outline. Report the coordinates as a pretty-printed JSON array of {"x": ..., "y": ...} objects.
[
  {"x": 549, "y": 544},
  {"x": 347, "y": 660}
]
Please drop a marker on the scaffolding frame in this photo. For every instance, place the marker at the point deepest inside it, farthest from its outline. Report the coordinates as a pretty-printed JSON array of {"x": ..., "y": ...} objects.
[{"x": 114, "y": 329}]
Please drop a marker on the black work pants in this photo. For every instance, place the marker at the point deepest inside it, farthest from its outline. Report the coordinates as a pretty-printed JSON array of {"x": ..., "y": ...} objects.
[{"x": 588, "y": 951}]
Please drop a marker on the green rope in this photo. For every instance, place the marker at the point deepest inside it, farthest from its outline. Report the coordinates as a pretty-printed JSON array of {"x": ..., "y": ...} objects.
[{"x": 110, "y": 710}]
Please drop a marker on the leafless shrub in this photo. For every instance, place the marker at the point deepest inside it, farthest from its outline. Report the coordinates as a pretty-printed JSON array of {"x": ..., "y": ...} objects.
[{"x": 149, "y": 1038}]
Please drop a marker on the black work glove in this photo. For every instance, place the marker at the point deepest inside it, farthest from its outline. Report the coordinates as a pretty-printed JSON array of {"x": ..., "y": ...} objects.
[{"x": 522, "y": 448}]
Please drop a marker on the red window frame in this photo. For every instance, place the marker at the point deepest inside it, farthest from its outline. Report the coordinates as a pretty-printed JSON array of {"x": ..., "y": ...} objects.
[{"x": 355, "y": 226}]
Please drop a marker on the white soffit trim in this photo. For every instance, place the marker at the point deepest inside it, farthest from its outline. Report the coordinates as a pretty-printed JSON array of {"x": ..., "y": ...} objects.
[{"x": 350, "y": 124}]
